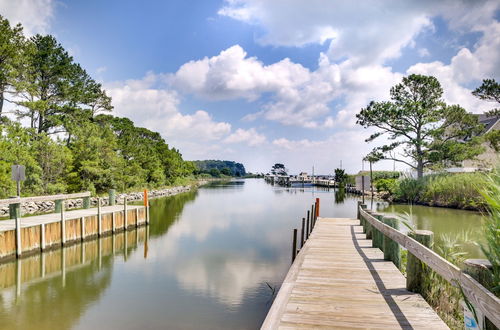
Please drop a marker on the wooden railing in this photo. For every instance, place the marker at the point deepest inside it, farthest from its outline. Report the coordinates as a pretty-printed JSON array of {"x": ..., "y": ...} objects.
[
  {"x": 480, "y": 297},
  {"x": 20, "y": 200}
]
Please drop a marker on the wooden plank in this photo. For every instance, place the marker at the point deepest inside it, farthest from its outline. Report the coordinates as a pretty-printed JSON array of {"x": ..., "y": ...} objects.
[
  {"x": 43, "y": 198},
  {"x": 479, "y": 296},
  {"x": 339, "y": 281}
]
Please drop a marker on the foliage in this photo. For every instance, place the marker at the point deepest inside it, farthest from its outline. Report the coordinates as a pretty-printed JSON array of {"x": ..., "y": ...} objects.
[
  {"x": 69, "y": 145},
  {"x": 278, "y": 169},
  {"x": 421, "y": 126},
  {"x": 386, "y": 185},
  {"x": 491, "y": 193},
  {"x": 340, "y": 176},
  {"x": 488, "y": 91},
  {"x": 447, "y": 189},
  {"x": 225, "y": 167}
]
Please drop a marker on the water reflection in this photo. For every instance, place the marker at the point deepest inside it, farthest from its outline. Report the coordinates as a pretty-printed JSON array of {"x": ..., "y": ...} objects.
[{"x": 212, "y": 260}]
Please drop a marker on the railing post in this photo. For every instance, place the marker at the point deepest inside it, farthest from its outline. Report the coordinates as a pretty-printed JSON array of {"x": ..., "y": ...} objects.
[
  {"x": 377, "y": 236},
  {"x": 480, "y": 270},
  {"x": 415, "y": 271},
  {"x": 302, "y": 233},
  {"x": 368, "y": 230},
  {"x": 391, "y": 248},
  {"x": 112, "y": 197},
  {"x": 99, "y": 217},
  {"x": 86, "y": 202},
  {"x": 294, "y": 245},
  {"x": 358, "y": 215},
  {"x": 63, "y": 224},
  {"x": 58, "y": 205}
]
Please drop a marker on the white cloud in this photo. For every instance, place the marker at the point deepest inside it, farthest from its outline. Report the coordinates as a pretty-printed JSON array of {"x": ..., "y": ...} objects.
[
  {"x": 151, "y": 105},
  {"x": 250, "y": 137},
  {"x": 34, "y": 15},
  {"x": 423, "y": 52},
  {"x": 370, "y": 33}
]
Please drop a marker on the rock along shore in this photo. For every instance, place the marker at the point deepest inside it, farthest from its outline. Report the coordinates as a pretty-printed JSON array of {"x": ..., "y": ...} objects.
[{"x": 49, "y": 206}]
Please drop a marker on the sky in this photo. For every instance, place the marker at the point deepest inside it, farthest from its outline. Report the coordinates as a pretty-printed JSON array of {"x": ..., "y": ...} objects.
[{"x": 267, "y": 81}]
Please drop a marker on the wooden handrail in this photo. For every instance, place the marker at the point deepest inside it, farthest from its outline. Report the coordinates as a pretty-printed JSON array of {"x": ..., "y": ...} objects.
[
  {"x": 478, "y": 295},
  {"x": 20, "y": 200}
]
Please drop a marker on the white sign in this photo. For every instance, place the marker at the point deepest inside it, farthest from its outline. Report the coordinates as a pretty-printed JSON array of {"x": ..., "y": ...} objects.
[
  {"x": 18, "y": 173},
  {"x": 360, "y": 182}
]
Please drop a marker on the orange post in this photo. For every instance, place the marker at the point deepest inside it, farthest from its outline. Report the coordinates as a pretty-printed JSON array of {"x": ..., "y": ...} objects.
[
  {"x": 145, "y": 197},
  {"x": 317, "y": 207}
]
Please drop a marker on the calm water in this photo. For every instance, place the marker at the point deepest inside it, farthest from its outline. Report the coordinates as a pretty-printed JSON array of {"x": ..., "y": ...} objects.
[{"x": 210, "y": 259}]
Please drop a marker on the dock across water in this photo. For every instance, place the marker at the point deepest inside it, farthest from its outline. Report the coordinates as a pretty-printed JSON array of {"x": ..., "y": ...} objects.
[{"x": 339, "y": 281}]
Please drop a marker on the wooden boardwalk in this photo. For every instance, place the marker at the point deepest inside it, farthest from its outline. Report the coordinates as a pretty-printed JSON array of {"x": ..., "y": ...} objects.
[
  {"x": 34, "y": 220},
  {"x": 338, "y": 281}
]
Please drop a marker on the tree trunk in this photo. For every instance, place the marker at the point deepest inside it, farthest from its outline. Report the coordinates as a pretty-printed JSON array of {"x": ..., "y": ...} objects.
[
  {"x": 420, "y": 169},
  {"x": 1, "y": 101}
]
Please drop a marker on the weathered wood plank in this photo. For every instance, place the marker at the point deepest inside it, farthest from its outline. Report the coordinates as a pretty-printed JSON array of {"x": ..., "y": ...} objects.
[
  {"x": 339, "y": 281},
  {"x": 479, "y": 296}
]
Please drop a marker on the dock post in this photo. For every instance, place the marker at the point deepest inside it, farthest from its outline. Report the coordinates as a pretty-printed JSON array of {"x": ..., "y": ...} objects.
[
  {"x": 125, "y": 213},
  {"x": 391, "y": 248},
  {"x": 302, "y": 233},
  {"x": 480, "y": 270},
  {"x": 146, "y": 204},
  {"x": 42, "y": 237},
  {"x": 307, "y": 229},
  {"x": 86, "y": 202},
  {"x": 377, "y": 236},
  {"x": 112, "y": 197},
  {"x": 317, "y": 209},
  {"x": 313, "y": 215},
  {"x": 63, "y": 225},
  {"x": 58, "y": 205},
  {"x": 415, "y": 270},
  {"x": 99, "y": 217},
  {"x": 82, "y": 228},
  {"x": 17, "y": 218},
  {"x": 63, "y": 267},
  {"x": 113, "y": 226},
  {"x": 136, "y": 217},
  {"x": 294, "y": 245}
]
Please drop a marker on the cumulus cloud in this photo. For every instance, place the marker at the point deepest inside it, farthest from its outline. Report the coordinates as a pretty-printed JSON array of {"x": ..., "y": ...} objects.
[
  {"x": 371, "y": 33},
  {"x": 148, "y": 103},
  {"x": 251, "y": 137},
  {"x": 34, "y": 15}
]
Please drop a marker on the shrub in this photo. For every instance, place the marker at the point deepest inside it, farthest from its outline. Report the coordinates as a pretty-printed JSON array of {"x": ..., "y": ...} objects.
[{"x": 387, "y": 185}]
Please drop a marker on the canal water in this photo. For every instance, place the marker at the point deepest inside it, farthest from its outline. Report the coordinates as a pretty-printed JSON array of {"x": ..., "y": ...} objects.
[{"x": 210, "y": 259}]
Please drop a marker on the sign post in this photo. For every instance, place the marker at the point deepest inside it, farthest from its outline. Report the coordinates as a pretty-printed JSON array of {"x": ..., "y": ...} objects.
[{"x": 18, "y": 175}]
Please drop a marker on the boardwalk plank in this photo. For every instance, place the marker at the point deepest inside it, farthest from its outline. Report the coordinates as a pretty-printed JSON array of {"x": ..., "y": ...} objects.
[{"x": 339, "y": 281}]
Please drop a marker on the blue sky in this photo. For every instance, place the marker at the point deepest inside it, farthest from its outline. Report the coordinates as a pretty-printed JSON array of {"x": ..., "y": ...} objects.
[{"x": 261, "y": 81}]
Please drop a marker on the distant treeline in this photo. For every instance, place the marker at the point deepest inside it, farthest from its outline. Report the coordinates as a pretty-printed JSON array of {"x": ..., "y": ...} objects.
[
  {"x": 216, "y": 168},
  {"x": 68, "y": 141}
]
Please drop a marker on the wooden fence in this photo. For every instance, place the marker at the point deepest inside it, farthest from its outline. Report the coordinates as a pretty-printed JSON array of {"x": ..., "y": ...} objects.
[{"x": 480, "y": 297}]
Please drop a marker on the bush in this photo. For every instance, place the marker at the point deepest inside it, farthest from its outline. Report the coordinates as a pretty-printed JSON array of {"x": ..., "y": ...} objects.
[
  {"x": 387, "y": 185},
  {"x": 450, "y": 190}
]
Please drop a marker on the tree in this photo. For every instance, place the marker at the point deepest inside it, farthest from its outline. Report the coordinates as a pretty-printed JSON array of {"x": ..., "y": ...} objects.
[
  {"x": 226, "y": 171},
  {"x": 11, "y": 50},
  {"x": 340, "y": 177},
  {"x": 490, "y": 91},
  {"x": 421, "y": 126},
  {"x": 278, "y": 169},
  {"x": 371, "y": 158}
]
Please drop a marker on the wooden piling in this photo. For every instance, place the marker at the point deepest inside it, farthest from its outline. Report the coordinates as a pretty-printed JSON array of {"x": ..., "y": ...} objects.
[
  {"x": 307, "y": 229},
  {"x": 19, "y": 246},
  {"x": 294, "y": 245},
  {"x": 99, "y": 217},
  {"x": 146, "y": 204},
  {"x": 63, "y": 225},
  {"x": 82, "y": 228},
  {"x": 391, "y": 248},
  {"x": 317, "y": 209},
  {"x": 369, "y": 227},
  {"x": 112, "y": 197},
  {"x": 42, "y": 236},
  {"x": 377, "y": 236},
  {"x": 415, "y": 270},
  {"x": 302, "y": 233},
  {"x": 480, "y": 270},
  {"x": 113, "y": 222},
  {"x": 125, "y": 215}
]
